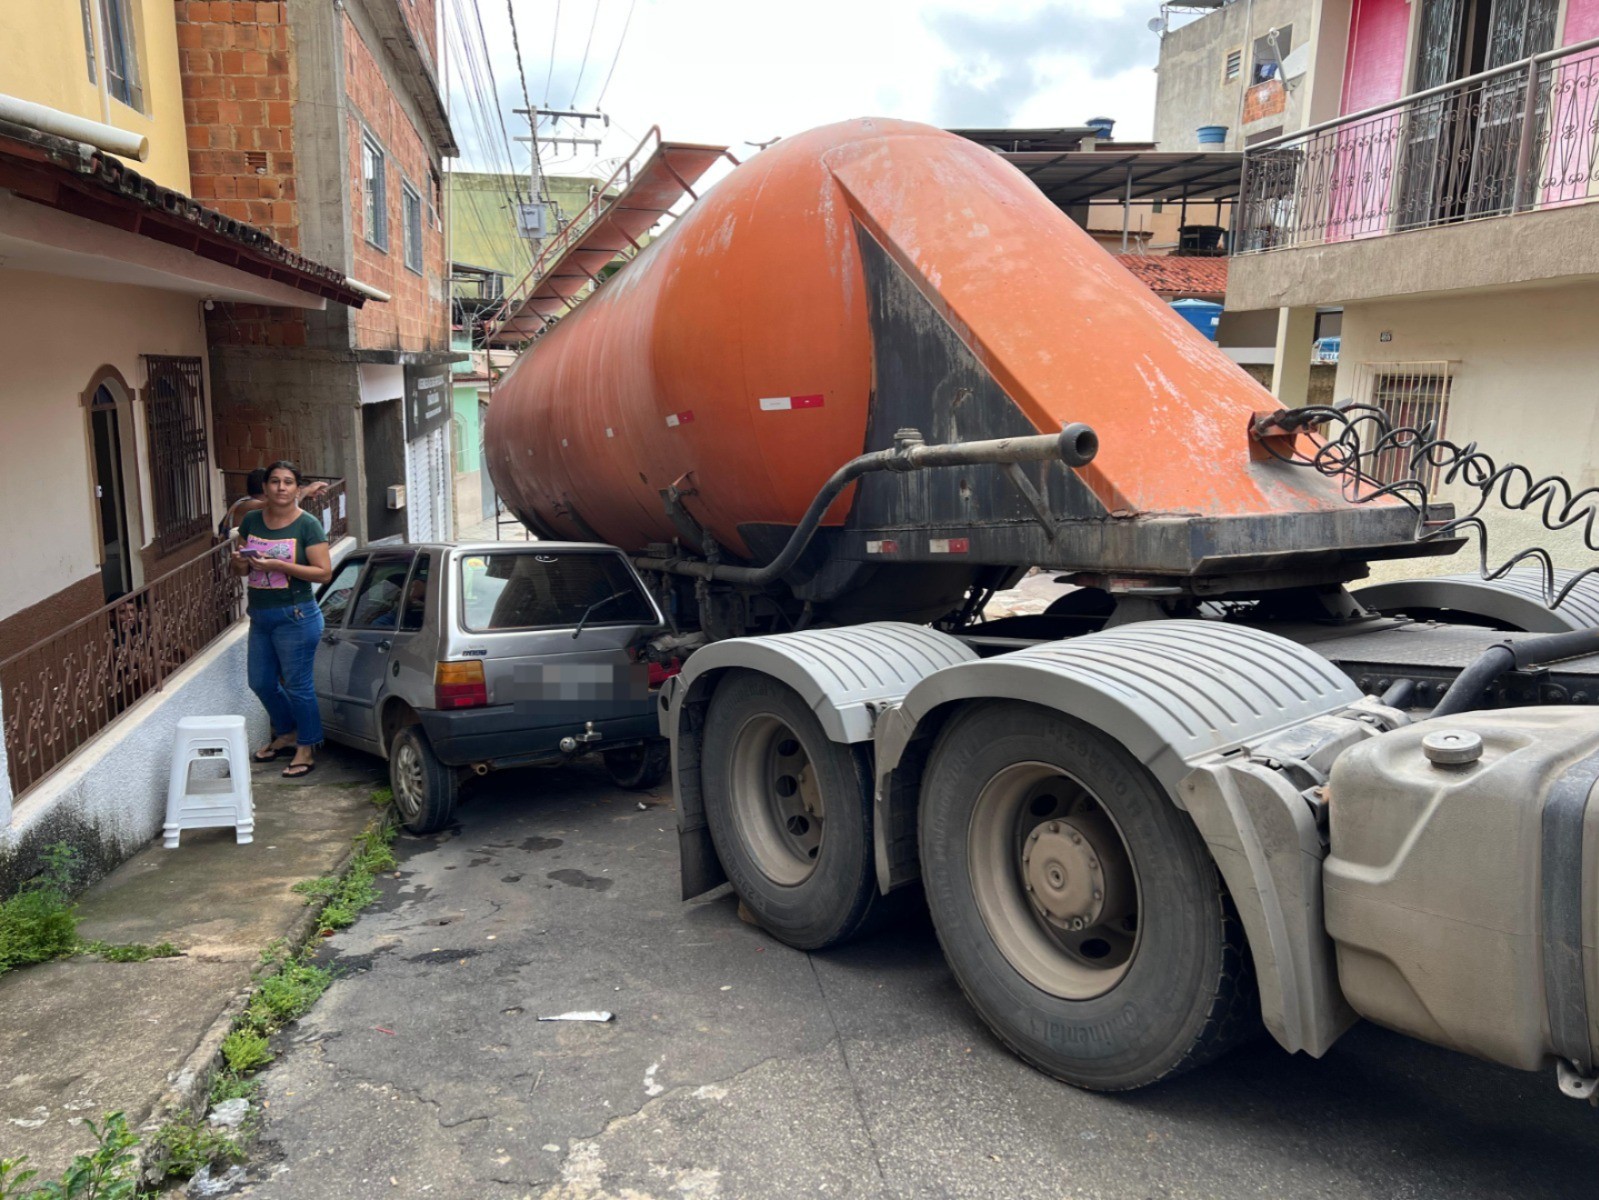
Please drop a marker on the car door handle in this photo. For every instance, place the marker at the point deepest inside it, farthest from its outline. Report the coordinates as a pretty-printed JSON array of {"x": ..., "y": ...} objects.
[
  {"x": 332, "y": 639},
  {"x": 385, "y": 645}
]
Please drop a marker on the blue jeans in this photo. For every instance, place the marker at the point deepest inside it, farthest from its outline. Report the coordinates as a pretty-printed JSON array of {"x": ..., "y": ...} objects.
[{"x": 283, "y": 645}]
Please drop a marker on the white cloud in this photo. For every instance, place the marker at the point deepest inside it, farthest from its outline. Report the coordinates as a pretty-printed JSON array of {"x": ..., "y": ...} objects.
[{"x": 736, "y": 71}]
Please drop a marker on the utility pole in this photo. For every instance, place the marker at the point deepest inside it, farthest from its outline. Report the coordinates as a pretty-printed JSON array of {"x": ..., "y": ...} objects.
[{"x": 536, "y": 168}]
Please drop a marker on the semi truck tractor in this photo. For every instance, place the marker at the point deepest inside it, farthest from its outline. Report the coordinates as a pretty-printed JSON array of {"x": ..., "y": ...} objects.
[{"x": 873, "y": 376}]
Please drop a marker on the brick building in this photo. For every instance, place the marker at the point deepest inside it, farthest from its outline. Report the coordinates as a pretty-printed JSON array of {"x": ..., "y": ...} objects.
[{"x": 323, "y": 124}]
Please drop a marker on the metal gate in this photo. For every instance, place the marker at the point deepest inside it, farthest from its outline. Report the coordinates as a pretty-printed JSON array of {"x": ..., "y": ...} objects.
[{"x": 427, "y": 483}]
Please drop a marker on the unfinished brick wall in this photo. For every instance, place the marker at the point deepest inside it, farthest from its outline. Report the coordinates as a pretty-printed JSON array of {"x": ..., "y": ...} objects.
[
  {"x": 422, "y": 16},
  {"x": 238, "y": 84},
  {"x": 416, "y": 318},
  {"x": 238, "y": 89}
]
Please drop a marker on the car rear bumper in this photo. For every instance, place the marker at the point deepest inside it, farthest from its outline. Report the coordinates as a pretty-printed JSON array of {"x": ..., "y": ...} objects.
[{"x": 501, "y": 735}]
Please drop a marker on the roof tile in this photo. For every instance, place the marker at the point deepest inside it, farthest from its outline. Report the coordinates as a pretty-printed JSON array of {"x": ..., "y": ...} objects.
[{"x": 1175, "y": 277}]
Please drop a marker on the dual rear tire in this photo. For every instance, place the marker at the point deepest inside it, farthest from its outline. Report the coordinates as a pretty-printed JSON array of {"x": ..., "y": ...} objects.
[
  {"x": 1077, "y": 906},
  {"x": 789, "y": 812}
]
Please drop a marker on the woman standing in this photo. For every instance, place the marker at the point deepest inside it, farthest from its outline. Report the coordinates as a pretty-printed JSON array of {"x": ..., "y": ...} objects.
[{"x": 284, "y": 551}]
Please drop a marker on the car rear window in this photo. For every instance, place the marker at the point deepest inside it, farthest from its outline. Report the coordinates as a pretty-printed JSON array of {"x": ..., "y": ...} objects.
[{"x": 523, "y": 590}]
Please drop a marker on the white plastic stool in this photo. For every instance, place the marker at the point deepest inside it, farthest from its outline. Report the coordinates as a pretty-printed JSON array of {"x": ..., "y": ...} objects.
[{"x": 216, "y": 802}]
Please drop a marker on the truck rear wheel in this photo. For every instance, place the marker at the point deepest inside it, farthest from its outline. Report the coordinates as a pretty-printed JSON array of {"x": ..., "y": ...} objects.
[
  {"x": 1077, "y": 906},
  {"x": 789, "y": 812}
]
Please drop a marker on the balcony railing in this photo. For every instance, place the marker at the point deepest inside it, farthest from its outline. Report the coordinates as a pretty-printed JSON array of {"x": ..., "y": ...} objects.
[
  {"x": 61, "y": 691},
  {"x": 329, "y": 506},
  {"x": 1518, "y": 138}
]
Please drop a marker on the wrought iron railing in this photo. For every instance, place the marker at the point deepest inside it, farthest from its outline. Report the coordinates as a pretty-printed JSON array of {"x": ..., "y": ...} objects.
[
  {"x": 1517, "y": 138},
  {"x": 61, "y": 691},
  {"x": 330, "y": 506}
]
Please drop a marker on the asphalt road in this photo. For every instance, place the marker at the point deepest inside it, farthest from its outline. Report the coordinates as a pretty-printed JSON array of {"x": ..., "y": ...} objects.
[{"x": 736, "y": 1067}]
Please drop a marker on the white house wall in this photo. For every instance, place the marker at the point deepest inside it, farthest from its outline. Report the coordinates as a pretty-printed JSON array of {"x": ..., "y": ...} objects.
[
  {"x": 55, "y": 333},
  {"x": 1525, "y": 387}
]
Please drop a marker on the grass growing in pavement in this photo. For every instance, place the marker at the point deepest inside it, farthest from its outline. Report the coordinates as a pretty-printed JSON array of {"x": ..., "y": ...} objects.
[
  {"x": 181, "y": 1148},
  {"x": 344, "y": 896},
  {"x": 129, "y": 951},
  {"x": 40, "y": 922}
]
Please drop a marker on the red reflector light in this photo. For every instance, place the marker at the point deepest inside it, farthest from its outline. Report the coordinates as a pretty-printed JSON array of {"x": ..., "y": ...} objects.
[{"x": 459, "y": 685}]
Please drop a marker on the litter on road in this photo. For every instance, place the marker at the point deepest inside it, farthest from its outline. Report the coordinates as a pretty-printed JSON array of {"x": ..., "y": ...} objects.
[{"x": 600, "y": 1017}]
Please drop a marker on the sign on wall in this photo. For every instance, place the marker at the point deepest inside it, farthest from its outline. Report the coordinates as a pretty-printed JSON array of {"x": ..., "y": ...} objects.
[{"x": 427, "y": 399}]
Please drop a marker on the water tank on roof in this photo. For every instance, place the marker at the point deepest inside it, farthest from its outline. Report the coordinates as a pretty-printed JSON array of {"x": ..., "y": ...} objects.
[{"x": 1203, "y": 315}]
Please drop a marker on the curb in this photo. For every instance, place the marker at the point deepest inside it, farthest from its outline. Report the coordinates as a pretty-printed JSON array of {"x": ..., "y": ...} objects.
[{"x": 190, "y": 1085}]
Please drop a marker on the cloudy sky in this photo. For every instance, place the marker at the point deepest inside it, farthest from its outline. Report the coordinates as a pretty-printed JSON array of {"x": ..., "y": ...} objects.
[{"x": 737, "y": 71}]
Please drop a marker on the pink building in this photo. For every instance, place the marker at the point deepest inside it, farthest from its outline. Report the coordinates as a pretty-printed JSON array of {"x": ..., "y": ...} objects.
[{"x": 1439, "y": 194}]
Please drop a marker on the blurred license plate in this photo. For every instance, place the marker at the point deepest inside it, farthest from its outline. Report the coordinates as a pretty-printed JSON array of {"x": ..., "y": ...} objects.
[{"x": 582, "y": 681}]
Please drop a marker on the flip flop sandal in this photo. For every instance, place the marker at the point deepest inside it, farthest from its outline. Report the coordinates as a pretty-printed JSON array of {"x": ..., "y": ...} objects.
[
  {"x": 298, "y": 772},
  {"x": 271, "y": 755}
]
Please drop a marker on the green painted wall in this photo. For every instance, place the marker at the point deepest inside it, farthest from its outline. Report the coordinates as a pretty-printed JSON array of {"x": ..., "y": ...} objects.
[
  {"x": 483, "y": 226},
  {"x": 469, "y": 437}
]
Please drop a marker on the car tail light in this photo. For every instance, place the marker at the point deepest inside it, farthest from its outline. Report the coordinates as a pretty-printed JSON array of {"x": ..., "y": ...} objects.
[
  {"x": 661, "y": 672},
  {"x": 459, "y": 685}
]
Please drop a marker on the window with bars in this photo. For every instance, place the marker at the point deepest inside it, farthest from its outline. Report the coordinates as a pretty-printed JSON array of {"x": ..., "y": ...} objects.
[
  {"x": 1414, "y": 395},
  {"x": 375, "y": 193},
  {"x": 413, "y": 226},
  {"x": 174, "y": 399}
]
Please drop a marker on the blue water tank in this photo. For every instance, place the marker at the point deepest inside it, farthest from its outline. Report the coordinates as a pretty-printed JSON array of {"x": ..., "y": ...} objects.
[
  {"x": 1211, "y": 135},
  {"x": 1203, "y": 315}
]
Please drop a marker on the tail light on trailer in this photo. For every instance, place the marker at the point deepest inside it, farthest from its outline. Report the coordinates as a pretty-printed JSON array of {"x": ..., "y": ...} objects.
[{"x": 459, "y": 685}]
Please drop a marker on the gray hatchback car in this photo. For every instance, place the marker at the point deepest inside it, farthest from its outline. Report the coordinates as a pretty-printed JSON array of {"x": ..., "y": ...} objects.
[{"x": 455, "y": 660}]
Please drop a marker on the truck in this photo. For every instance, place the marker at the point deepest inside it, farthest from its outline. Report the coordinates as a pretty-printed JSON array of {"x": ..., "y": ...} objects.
[{"x": 874, "y": 376}]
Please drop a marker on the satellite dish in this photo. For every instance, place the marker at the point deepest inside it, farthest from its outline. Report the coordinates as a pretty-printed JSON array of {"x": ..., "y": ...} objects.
[{"x": 1157, "y": 24}]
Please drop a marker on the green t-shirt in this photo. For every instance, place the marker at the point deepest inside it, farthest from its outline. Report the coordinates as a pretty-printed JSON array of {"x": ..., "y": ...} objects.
[{"x": 274, "y": 589}]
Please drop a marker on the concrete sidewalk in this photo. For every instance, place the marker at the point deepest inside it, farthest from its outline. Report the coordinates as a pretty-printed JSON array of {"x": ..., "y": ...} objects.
[{"x": 83, "y": 1037}]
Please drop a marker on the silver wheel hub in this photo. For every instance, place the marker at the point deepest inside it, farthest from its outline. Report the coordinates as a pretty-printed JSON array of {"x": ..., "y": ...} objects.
[
  {"x": 777, "y": 804},
  {"x": 1065, "y": 883}
]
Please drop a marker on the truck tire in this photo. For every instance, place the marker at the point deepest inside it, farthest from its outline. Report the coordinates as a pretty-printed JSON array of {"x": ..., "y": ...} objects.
[
  {"x": 639, "y": 768},
  {"x": 1077, "y": 906},
  {"x": 425, "y": 790},
  {"x": 789, "y": 813}
]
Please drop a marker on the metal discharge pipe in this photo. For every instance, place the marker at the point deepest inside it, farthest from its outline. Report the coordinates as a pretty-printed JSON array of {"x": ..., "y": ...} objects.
[{"x": 1075, "y": 446}]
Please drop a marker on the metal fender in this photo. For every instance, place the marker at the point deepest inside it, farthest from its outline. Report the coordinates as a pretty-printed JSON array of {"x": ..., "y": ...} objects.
[
  {"x": 846, "y": 676},
  {"x": 1515, "y": 600},
  {"x": 1170, "y": 691},
  {"x": 1190, "y": 700}
]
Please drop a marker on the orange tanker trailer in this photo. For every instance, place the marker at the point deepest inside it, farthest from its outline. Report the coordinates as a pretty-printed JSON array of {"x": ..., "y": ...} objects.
[{"x": 873, "y": 277}]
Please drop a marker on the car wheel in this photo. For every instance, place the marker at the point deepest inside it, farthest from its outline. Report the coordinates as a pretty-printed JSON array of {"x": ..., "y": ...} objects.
[
  {"x": 1077, "y": 906},
  {"x": 790, "y": 814},
  {"x": 642, "y": 767},
  {"x": 425, "y": 790}
]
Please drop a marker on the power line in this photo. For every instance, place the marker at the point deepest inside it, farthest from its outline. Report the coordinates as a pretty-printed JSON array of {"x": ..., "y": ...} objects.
[
  {"x": 593, "y": 21},
  {"x": 542, "y": 192},
  {"x": 615, "y": 58},
  {"x": 555, "y": 37}
]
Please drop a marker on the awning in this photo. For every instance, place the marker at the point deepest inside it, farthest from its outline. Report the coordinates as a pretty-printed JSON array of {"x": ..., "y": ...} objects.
[
  {"x": 614, "y": 225},
  {"x": 1104, "y": 176},
  {"x": 76, "y": 211}
]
